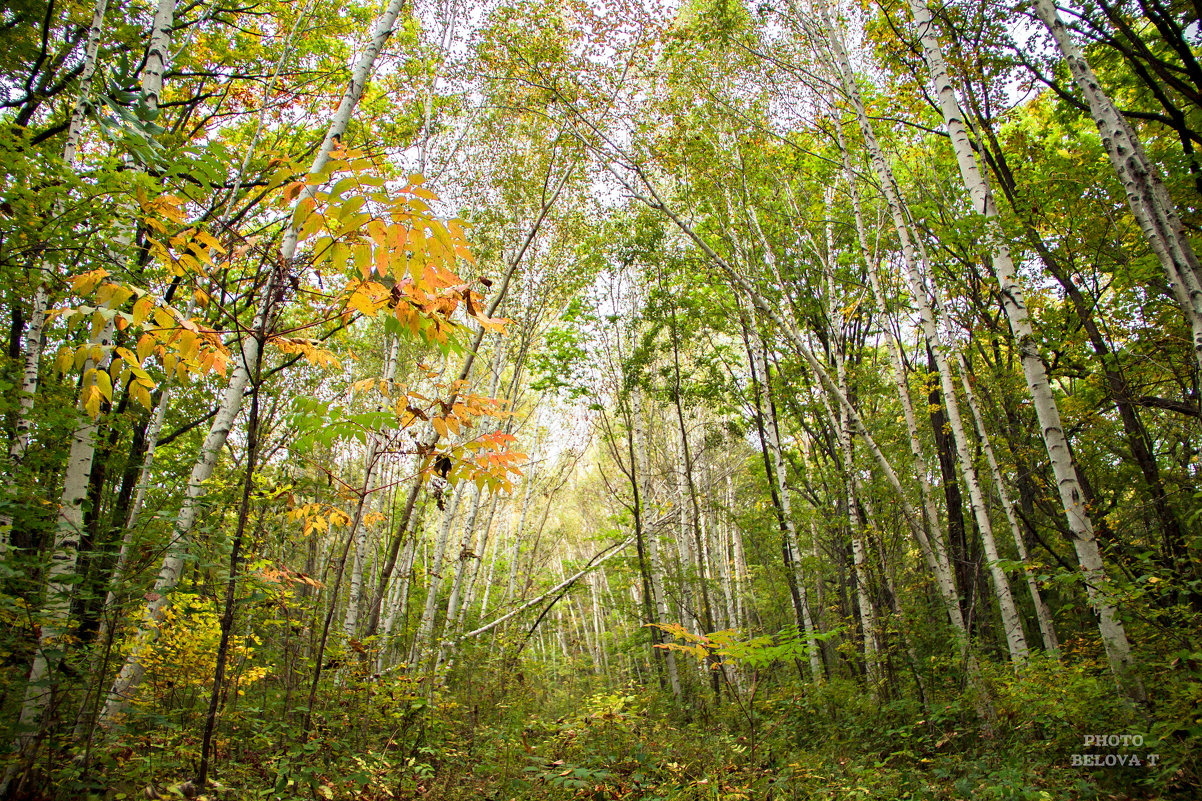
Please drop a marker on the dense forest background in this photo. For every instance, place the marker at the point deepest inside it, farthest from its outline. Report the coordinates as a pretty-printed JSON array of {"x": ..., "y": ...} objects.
[{"x": 568, "y": 399}]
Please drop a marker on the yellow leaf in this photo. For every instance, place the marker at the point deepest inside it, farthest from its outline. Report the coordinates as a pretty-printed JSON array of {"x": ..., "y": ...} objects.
[
  {"x": 91, "y": 400},
  {"x": 142, "y": 395},
  {"x": 167, "y": 205},
  {"x": 209, "y": 241},
  {"x": 304, "y": 208},
  {"x": 63, "y": 359},
  {"x": 104, "y": 384},
  {"x": 86, "y": 283},
  {"x": 142, "y": 378},
  {"x": 163, "y": 318},
  {"x": 310, "y": 226},
  {"x": 416, "y": 240},
  {"x": 361, "y": 302},
  {"x": 443, "y": 237},
  {"x": 187, "y": 344},
  {"x": 362, "y": 256}
]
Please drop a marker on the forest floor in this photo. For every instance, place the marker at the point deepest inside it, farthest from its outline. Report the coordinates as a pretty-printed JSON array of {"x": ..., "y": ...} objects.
[
  {"x": 788, "y": 743},
  {"x": 554, "y": 732}
]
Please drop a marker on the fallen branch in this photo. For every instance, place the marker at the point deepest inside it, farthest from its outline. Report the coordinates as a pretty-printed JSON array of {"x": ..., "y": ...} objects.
[{"x": 593, "y": 564}]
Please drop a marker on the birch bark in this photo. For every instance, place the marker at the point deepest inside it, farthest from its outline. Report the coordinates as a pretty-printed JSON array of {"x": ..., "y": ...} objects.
[
  {"x": 791, "y": 540},
  {"x": 425, "y": 628},
  {"x": 469, "y": 527},
  {"x": 1147, "y": 195},
  {"x": 486, "y": 541},
  {"x": 935, "y": 546},
  {"x": 1114, "y": 636},
  {"x": 230, "y": 403},
  {"x": 31, "y": 349},
  {"x": 56, "y": 609},
  {"x": 59, "y": 583},
  {"x": 654, "y": 555},
  {"x": 792, "y": 553},
  {"x": 859, "y": 553},
  {"x": 1011, "y": 622},
  {"x": 358, "y": 533},
  {"x": 947, "y": 589}
]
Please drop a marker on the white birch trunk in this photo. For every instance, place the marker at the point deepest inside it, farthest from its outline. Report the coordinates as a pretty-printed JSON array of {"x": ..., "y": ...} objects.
[
  {"x": 131, "y": 673},
  {"x": 772, "y": 434},
  {"x": 654, "y": 558},
  {"x": 31, "y": 352},
  {"x": 1042, "y": 613},
  {"x": 56, "y": 610},
  {"x": 466, "y": 554},
  {"x": 461, "y": 562},
  {"x": 597, "y": 626},
  {"x": 492, "y": 565},
  {"x": 486, "y": 541},
  {"x": 358, "y": 531},
  {"x": 397, "y": 610},
  {"x": 1012, "y": 623},
  {"x": 31, "y": 349},
  {"x": 425, "y": 629},
  {"x": 1114, "y": 637},
  {"x": 684, "y": 544},
  {"x": 738, "y": 560},
  {"x": 937, "y": 546},
  {"x": 859, "y": 553},
  {"x": 358, "y": 534},
  {"x": 517, "y": 539},
  {"x": 1147, "y": 196},
  {"x": 723, "y": 563}
]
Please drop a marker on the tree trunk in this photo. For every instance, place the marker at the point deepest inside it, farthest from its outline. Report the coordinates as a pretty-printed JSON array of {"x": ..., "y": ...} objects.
[
  {"x": 425, "y": 628},
  {"x": 1114, "y": 636},
  {"x": 1012, "y": 624},
  {"x": 31, "y": 351},
  {"x": 56, "y": 609},
  {"x": 351, "y": 621},
  {"x": 227, "y": 617},
  {"x": 131, "y": 673},
  {"x": 1147, "y": 195}
]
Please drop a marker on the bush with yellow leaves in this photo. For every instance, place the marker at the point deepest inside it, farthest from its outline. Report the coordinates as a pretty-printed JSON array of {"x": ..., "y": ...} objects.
[{"x": 180, "y": 664}]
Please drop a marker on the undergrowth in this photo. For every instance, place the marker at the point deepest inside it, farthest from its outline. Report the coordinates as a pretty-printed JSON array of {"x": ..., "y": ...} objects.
[{"x": 496, "y": 729}]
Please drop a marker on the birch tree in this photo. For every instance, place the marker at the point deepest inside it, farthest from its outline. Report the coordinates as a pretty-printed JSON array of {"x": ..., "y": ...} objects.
[
  {"x": 1114, "y": 636},
  {"x": 1147, "y": 196},
  {"x": 230, "y": 402}
]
